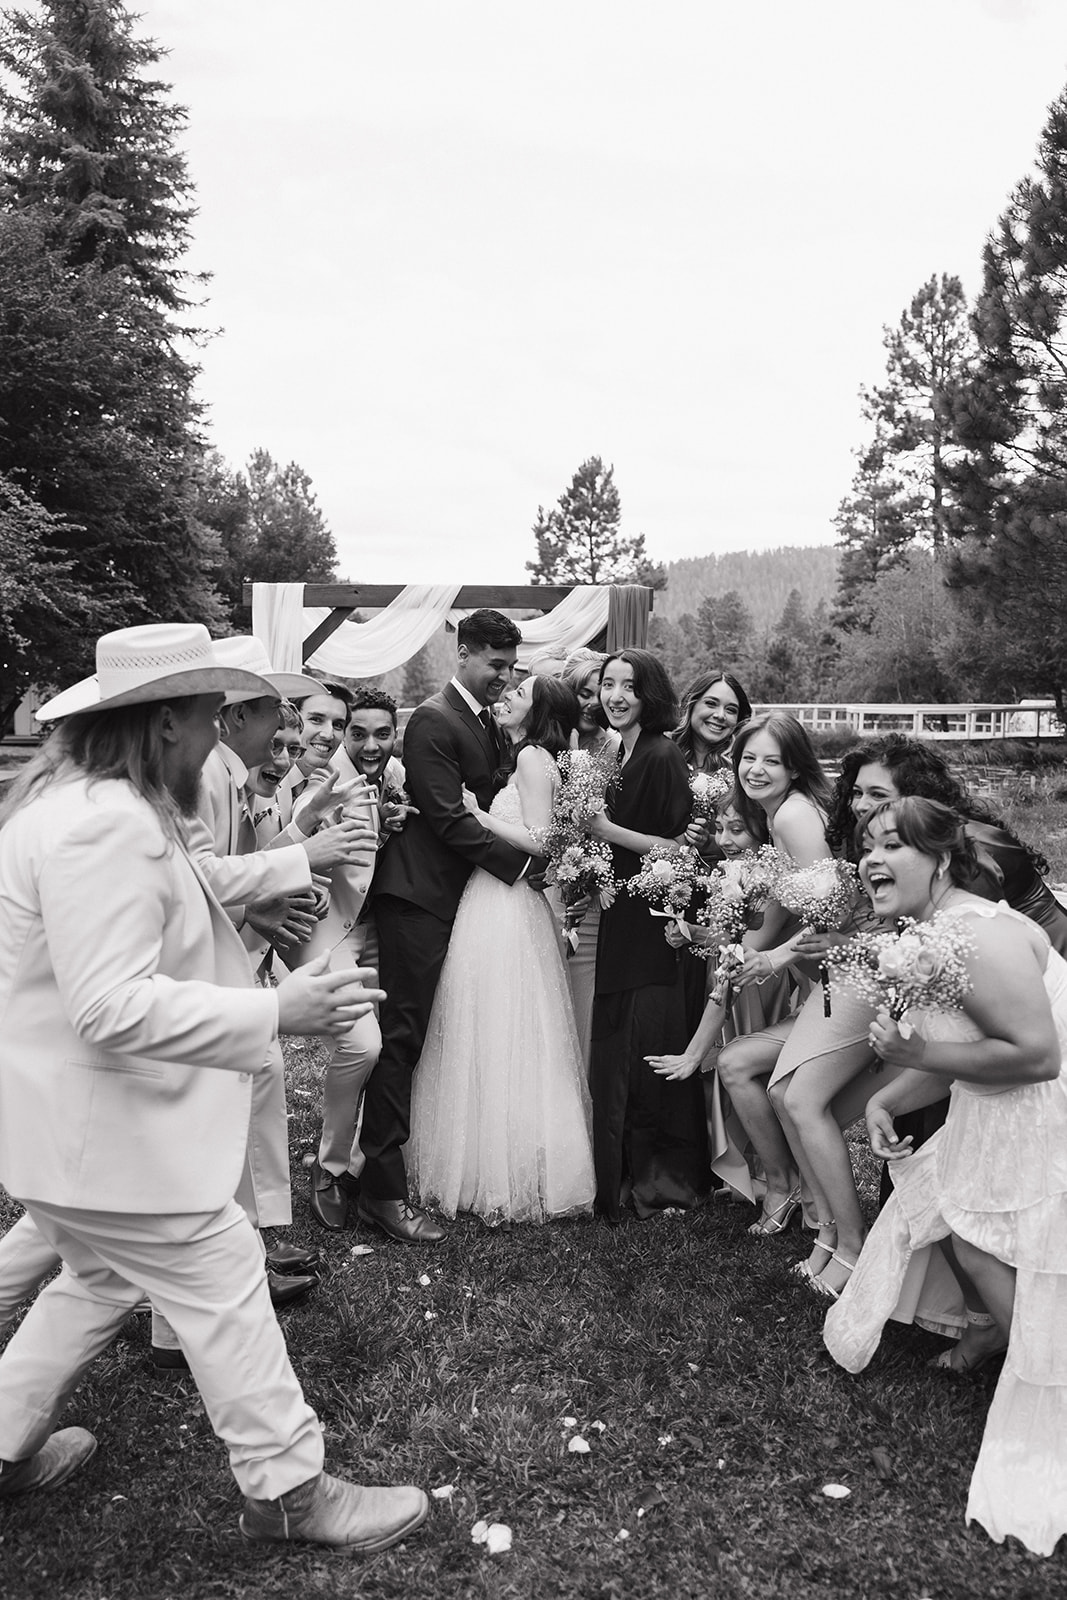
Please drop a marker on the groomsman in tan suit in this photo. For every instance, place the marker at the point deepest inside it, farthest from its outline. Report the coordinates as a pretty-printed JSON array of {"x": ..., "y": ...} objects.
[{"x": 132, "y": 1032}]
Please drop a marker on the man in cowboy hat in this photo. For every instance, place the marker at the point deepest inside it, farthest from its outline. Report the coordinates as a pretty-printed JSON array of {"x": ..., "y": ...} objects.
[{"x": 132, "y": 1030}]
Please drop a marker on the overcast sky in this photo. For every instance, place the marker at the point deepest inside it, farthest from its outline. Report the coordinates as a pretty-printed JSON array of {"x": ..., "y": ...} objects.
[{"x": 459, "y": 246}]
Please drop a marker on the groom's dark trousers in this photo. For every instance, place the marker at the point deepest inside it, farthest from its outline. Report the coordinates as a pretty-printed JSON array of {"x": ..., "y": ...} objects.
[
  {"x": 418, "y": 883},
  {"x": 412, "y": 947}
]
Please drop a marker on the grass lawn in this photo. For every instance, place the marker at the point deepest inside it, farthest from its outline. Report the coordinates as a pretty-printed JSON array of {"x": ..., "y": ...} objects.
[{"x": 691, "y": 1362}]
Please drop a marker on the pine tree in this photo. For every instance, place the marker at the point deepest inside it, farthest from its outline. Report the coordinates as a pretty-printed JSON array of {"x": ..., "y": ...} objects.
[
  {"x": 98, "y": 421},
  {"x": 725, "y": 626},
  {"x": 290, "y": 539},
  {"x": 1010, "y": 418},
  {"x": 89, "y": 142},
  {"x": 900, "y": 495},
  {"x": 580, "y": 540}
]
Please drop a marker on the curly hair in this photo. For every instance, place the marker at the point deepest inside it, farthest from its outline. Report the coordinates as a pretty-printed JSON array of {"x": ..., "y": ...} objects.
[
  {"x": 917, "y": 768},
  {"x": 365, "y": 697},
  {"x": 798, "y": 754},
  {"x": 932, "y": 828},
  {"x": 683, "y": 734}
]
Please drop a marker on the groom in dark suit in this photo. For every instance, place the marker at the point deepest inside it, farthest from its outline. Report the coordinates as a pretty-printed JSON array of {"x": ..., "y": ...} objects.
[{"x": 450, "y": 743}]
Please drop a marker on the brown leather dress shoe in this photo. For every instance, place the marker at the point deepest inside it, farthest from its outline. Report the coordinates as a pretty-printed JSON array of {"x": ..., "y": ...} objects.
[
  {"x": 286, "y": 1257},
  {"x": 283, "y": 1291},
  {"x": 329, "y": 1199},
  {"x": 400, "y": 1220}
]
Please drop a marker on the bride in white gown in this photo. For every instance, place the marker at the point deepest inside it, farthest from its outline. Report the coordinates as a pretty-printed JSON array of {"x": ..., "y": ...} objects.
[{"x": 500, "y": 1111}]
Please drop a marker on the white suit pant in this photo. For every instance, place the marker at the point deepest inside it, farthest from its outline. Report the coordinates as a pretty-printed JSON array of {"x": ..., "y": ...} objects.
[
  {"x": 265, "y": 1191},
  {"x": 205, "y": 1273},
  {"x": 26, "y": 1259},
  {"x": 351, "y": 1063}
]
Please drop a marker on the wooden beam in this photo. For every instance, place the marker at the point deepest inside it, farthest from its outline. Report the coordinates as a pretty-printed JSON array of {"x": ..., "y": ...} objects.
[
  {"x": 327, "y": 626},
  {"x": 373, "y": 596}
]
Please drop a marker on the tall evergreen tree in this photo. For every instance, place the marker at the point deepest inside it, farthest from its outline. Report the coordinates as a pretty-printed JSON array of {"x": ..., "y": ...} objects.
[
  {"x": 88, "y": 142},
  {"x": 900, "y": 496},
  {"x": 1010, "y": 417},
  {"x": 290, "y": 539},
  {"x": 98, "y": 422},
  {"x": 580, "y": 540},
  {"x": 725, "y": 625}
]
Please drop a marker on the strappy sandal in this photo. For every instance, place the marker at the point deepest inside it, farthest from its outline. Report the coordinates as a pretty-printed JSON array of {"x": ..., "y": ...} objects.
[
  {"x": 803, "y": 1269},
  {"x": 778, "y": 1220},
  {"x": 820, "y": 1284}
]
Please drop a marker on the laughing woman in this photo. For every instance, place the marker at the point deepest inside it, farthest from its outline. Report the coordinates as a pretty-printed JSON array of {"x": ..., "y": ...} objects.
[
  {"x": 649, "y": 1138},
  {"x": 994, "y": 1178},
  {"x": 780, "y": 785}
]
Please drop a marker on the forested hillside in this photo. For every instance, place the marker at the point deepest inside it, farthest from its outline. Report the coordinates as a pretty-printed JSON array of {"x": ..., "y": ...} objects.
[{"x": 764, "y": 579}]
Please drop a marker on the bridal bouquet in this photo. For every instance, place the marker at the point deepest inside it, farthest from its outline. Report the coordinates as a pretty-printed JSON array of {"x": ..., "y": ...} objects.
[
  {"x": 581, "y": 865},
  {"x": 922, "y": 965},
  {"x": 709, "y": 789},
  {"x": 821, "y": 895},
  {"x": 735, "y": 894},
  {"x": 668, "y": 879}
]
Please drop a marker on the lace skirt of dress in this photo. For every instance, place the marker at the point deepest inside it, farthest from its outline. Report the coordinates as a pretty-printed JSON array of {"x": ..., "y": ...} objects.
[
  {"x": 500, "y": 1106},
  {"x": 1006, "y": 1150}
]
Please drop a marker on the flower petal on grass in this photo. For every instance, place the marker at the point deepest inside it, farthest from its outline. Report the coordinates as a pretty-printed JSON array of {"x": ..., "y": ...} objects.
[
  {"x": 498, "y": 1538},
  {"x": 425, "y": 1280},
  {"x": 480, "y": 1532},
  {"x": 570, "y": 1422},
  {"x": 362, "y": 1250},
  {"x": 836, "y": 1491},
  {"x": 445, "y": 1492},
  {"x": 577, "y": 1445}
]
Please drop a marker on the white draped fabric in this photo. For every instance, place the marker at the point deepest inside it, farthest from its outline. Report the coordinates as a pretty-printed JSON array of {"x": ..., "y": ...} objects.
[{"x": 392, "y": 636}]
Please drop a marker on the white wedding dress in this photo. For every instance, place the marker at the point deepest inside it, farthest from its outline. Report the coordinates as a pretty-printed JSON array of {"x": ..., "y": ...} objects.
[
  {"x": 995, "y": 1175},
  {"x": 500, "y": 1111}
]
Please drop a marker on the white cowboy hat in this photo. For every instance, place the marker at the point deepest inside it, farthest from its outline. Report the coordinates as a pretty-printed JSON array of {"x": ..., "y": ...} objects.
[
  {"x": 159, "y": 661},
  {"x": 244, "y": 650}
]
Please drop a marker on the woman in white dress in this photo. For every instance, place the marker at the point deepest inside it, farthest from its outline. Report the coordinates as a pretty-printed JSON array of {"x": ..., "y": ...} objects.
[
  {"x": 500, "y": 1108},
  {"x": 993, "y": 1179}
]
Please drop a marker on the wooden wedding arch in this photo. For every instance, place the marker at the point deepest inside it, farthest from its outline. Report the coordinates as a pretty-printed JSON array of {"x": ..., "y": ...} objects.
[{"x": 344, "y": 599}]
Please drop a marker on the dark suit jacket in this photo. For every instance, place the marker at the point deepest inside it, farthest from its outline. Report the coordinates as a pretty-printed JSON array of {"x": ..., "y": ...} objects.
[{"x": 446, "y": 749}]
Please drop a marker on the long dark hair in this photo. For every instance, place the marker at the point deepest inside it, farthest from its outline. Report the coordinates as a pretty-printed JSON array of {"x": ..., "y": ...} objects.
[
  {"x": 652, "y": 687},
  {"x": 797, "y": 752},
  {"x": 125, "y": 743},
  {"x": 553, "y": 716},
  {"x": 919, "y": 769},
  {"x": 683, "y": 735},
  {"x": 930, "y": 827}
]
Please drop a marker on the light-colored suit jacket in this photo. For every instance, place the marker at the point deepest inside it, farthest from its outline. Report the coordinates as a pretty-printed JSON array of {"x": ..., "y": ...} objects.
[
  {"x": 240, "y": 877},
  {"x": 349, "y": 885},
  {"x": 129, "y": 1022}
]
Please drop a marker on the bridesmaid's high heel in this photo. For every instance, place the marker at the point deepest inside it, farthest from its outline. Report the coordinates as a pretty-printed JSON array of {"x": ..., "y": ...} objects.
[
  {"x": 804, "y": 1269},
  {"x": 778, "y": 1220}
]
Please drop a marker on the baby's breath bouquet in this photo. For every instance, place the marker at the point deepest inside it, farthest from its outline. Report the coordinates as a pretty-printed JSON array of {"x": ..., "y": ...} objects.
[
  {"x": 580, "y": 864},
  {"x": 709, "y": 789},
  {"x": 734, "y": 896},
  {"x": 821, "y": 895},
  {"x": 923, "y": 965},
  {"x": 667, "y": 879}
]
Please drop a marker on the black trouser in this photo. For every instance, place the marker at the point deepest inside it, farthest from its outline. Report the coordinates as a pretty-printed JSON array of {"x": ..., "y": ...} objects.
[{"x": 412, "y": 944}]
